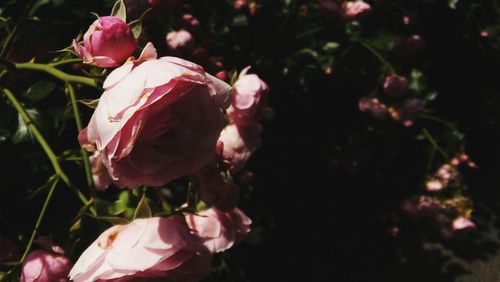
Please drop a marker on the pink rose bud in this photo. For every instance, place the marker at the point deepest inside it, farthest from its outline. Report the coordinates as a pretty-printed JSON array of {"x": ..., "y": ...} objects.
[
  {"x": 219, "y": 230},
  {"x": 157, "y": 120},
  {"x": 144, "y": 250},
  {"x": 107, "y": 43},
  {"x": 248, "y": 99},
  {"x": 222, "y": 75},
  {"x": 412, "y": 107},
  {"x": 44, "y": 266},
  {"x": 354, "y": 10},
  {"x": 484, "y": 34},
  {"x": 463, "y": 224},
  {"x": 190, "y": 20},
  {"x": 181, "y": 39},
  {"x": 240, "y": 4},
  {"x": 215, "y": 190},
  {"x": 238, "y": 144},
  {"x": 434, "y": 185},
  {"x": 374, "y": 107},
  {"x": 395, "y": 85},
  {"x": 464, "y": 158},
  {"x": 331, "y": 7},
  {"x": 9, "y": 251},
  {"x": 455, "y": 161},
  {"x": 406, "y": 20}
]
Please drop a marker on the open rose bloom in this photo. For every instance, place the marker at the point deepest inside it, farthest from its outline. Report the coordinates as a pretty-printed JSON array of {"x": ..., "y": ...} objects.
[
  {"x": 150, "y": 249},
  {"x": 157, "y": 120}
]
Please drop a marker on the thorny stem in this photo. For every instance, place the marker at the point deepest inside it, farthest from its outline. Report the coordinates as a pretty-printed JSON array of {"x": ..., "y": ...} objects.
[
  {"x": 45, "y": 146},
  {"x": 83, "y": 152},
  {"x": 50, "y": 69}
]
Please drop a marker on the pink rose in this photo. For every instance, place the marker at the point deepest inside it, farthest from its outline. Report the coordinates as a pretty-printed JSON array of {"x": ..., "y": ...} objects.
[
  {"x": 395, "y": 85},
  {"x": 238, "y": 144},
  {"x": 355, "y": 9},
  {"x": 9, "y": 251},
  {"x": 215, "y": 190},
  {"x": 148, "y": 248},
  {"x": 181, "y": 39},
  {"x": 43, "y": 266},
  {"x": 157, "y": 120},
  {"x": 240, "y": 4},
  {"x": 219, "y": 230},
  {"x": 107, "y": 43},
  {"x": 248, "y": 99}
]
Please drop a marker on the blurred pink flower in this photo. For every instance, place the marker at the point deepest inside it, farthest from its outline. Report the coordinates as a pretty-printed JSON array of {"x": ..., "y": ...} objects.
[
  {"x": 240, "y": 4},
  {"x": 354, "y": 10},
  {"x": 107, "y": 43},
  {"x": 248, "y": 99},
  {"x": 44, "y": 266},
  {"x": 190, "y": 20},
  {"x": 181, "y": 39},
  {"x": 395, "y": 85},
  {"x": 157, "y": 120},
  {"x": 463, "y": 223},
  {"x": 219, "y": 230},
  {"x": 373, "y": 106},
  {"x": 238, "y": 144},
  {"x": 424, "y": 207},
  {"x": 144, "y": 249}
]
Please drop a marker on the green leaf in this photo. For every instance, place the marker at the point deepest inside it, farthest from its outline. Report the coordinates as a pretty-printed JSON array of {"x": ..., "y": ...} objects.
[
  {"x": 89, "y": 102},
  {"x": 453, "y": 3},
  {"x": 143, "y": 209},
  {"x": 39, "y": 90},
  {"x": 240, "y": 20},
  {"x": 416, "y": 81},
  {"x": 23, "y": 133},
  {"x": 136, "y": 27},
  {"x": 119, "y": 10}
]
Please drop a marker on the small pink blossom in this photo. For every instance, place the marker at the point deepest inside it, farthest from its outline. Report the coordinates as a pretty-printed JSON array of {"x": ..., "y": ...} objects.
[
  {"x": 44, "y": 266},
  {"x": 240, "y": 4},
  {"x": 190, "y": 20},
  {"x": 181, "y": 39},
  {"x": 219, "y": 230},
  {"x": 374, "y": 107},
  {"x": 434, "y": 185},
  {"x": 151, "y": 248},
  {"x": 354, "y": 10},
  {"x": 463, "y": 223},
  {"x": 107, "y": 43}
]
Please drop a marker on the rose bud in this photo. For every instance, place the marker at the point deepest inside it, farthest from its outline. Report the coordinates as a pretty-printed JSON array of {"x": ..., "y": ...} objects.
[
  {"x": 157, "y": 120},
  {"x": 238, "y": 144},
  {"x": 248, "y": 99},
  {"x": 148, "y": 249},
  {"x": 44, "y": 266},
  {"x": 190, "y": 20},
  {"x": 395, "y": 85},
  {"x": 354, "y": 10},
  {"x": 219, "y": 230},
  {"x": 107, "y": 43},
  {"x": 462, "y": 224}
]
